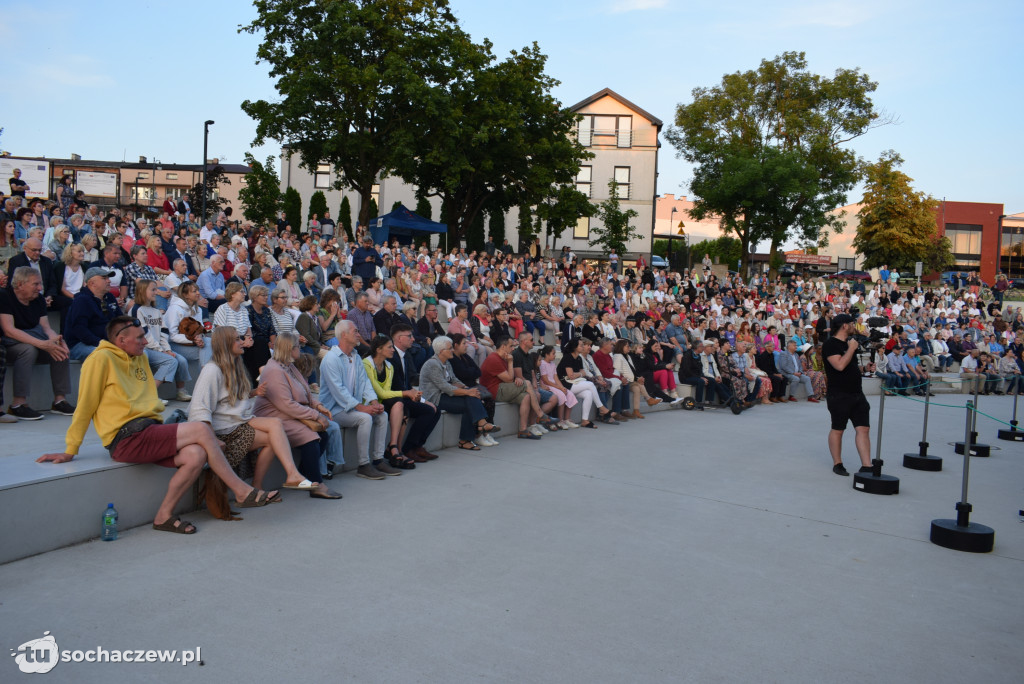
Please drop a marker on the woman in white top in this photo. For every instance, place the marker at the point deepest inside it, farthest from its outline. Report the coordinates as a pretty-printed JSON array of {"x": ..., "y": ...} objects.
[
  {"x": 186, "y": 305},
  {"x": 223, "y": 399},
  {"x": 74, "y": 274},
  {"x": 289, "y": 285},
  {"x": 283, "y": 320}
]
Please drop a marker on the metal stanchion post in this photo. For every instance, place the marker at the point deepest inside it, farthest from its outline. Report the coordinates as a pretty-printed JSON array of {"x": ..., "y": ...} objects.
[
  {"x": 923, "y": 460},
  {"x": 982, "y": 450},
  {"x": 874, "y": 482},
  {"x": 1013, "y": 434},
  {"x": 961, "y": 534}
]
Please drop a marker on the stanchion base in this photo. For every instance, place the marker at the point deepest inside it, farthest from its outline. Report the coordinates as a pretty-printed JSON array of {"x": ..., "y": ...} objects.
[
  {"x": 926, "y": 462},
  {"x": 1012, "y": 435},
  {"x": 869, "y": 484},
  {"x": 980, "y": 450},
  {"x": 974, "y": 538}
]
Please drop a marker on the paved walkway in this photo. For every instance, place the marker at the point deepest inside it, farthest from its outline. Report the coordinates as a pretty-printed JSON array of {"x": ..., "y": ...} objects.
[{"x": 643, "y": 553}]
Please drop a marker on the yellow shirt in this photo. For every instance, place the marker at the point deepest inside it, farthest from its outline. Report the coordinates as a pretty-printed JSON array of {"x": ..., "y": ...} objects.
[
  {"x": 383, "y": 389},
  {"x": 113, "y": 389}
]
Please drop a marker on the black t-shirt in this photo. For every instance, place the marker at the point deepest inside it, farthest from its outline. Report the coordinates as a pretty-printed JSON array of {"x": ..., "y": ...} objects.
[
  {"x": 18, "y": 186},
  {"x": 569, "y": 362},
  {"x": 521, "y": 360},
  {"x": 846, "y": 381},
  {"x": 26, "y": 316}
]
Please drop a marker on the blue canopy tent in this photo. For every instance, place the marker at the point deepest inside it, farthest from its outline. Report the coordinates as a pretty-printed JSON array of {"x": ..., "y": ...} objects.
[{"x": 403, "y": 225}]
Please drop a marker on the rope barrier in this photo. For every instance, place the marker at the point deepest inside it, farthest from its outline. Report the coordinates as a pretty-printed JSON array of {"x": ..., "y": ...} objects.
[{"x": 892, "y": 392}]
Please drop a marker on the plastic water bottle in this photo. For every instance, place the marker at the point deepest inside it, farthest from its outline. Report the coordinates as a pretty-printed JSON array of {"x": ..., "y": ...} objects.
[{"x": 109, "y": 523}]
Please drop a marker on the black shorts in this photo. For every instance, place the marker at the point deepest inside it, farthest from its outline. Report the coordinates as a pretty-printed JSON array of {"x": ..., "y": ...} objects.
[{"x": 849, "y": 407}]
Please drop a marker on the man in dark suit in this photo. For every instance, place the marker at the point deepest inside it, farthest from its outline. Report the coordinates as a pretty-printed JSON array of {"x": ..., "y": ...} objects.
[
  {"x": 766, "y": 362},
  {"x": 191, "y": 268},
  {"x": 422, "y": 415},
  {"x": 324, "y": 269},
  {"x": 387, "y": 316},
  {"x": 184, "y": 208},
  {"x": 241, "y": 276}
]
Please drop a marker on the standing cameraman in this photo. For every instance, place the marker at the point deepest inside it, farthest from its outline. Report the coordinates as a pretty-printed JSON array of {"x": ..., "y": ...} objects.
[{"x": 845, "y": 397}]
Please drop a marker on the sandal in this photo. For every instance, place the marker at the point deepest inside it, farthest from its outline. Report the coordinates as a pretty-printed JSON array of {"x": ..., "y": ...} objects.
[
  {"x": 488, "y": 427},
  {"x": 526, "y": 434},
  {"x": 396, "y": 459},
  {"x": 588, "y": 424},
  {"x": 468, "y": 445},
  {"x": 254, "y": 500},
  {"x": 176, "y": 525}
]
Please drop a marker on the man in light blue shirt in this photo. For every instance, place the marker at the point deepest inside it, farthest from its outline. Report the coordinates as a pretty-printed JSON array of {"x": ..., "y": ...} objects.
[
  {"x": 211, "y": 283},
  {"x": 346, "y": 392}
]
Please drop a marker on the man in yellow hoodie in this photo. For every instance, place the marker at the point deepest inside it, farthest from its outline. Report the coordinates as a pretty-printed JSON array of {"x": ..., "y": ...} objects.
[{"x": 116, "y": 392}]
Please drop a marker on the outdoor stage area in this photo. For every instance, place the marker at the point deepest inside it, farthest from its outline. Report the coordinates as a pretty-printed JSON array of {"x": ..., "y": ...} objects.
[{"x": 687, "y": 547}]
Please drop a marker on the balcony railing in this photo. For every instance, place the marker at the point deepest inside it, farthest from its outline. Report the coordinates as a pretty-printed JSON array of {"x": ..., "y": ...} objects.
[{"x": 607, "y": 137}]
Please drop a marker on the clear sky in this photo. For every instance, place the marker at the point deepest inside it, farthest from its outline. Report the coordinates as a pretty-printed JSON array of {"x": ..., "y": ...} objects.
[{"x": 117, "y": 79}]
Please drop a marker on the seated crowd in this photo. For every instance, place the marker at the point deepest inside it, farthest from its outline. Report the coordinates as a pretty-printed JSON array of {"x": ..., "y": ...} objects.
[{"x": 294, "y": 337}]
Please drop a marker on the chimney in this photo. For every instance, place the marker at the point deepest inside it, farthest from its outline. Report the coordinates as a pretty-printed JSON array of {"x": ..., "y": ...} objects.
[
  {"x": 76, "y": 157},
  {"x": 142, "y": 160}
]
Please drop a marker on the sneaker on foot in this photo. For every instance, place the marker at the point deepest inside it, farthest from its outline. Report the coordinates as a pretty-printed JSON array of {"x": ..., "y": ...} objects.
[
  {"x": 7, "y": 418},
  {"x": 542, "y": 428},
  {"x": 386, "y": 468},
  {"x": 62, "y": 408},
  {"x": 536, "y": 431},
  {"x": 866, "y": 469},
  {"x": 839, "y": 469},
  {"x": 369, "y": 472},
  {"x": 182, "y": 395},
  {"x": 490, "y": 440},
  {"x": 482, "y": 441},
  {"x": 571, "y": 425},
  {"x": 25, "y": 412}
]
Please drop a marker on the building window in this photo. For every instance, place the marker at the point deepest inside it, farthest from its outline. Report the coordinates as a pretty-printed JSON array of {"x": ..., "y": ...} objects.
[
  {"x": 142, "y": 174},
  {"x": 846, "y": 263},
  {"x": 965, "y": 238},
  {"x": 144, "y": 193},
  {"x": 172, "y": 176},
  {"x": 583, "y": 179},
  {"x": 322, "y": 176},
  {"x": 622, "y": 179},
  {"x": 582, "y": 229}
]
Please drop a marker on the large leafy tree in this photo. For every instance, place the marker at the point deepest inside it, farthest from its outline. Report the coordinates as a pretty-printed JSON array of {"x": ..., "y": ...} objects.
[
  {"x": 354, "y": 78},
  {"x": 897, "y": 223},
  {"x": 499, "y": 139},
  {"x": 563, "y": 207},
  {"x": 215, "y": 177},
  {"x": 261, "y": 196},
  {"x": 614, "y": 232},
  {"x": 769, "y": 148}
]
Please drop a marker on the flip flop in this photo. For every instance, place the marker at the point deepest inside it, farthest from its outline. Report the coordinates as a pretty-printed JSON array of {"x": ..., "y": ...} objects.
[
  {"x": 305, "y": 484},
  {"x": 181, "y": 528},
  {"x": 469, "y": 446}
]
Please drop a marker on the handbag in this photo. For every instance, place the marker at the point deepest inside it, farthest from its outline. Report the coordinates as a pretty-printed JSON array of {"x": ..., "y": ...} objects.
[{"x": 313, "y": 425}]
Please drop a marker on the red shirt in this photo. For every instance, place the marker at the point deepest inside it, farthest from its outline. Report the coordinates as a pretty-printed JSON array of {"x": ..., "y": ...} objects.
[
  {"x": 490, "y": 369},
  {"x": 604, "y": 364},
  {"x": 157, "y": 260}
]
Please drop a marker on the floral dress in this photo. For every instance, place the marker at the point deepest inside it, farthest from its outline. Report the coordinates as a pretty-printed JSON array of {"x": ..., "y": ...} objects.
[{"x": 817, "y": 376}]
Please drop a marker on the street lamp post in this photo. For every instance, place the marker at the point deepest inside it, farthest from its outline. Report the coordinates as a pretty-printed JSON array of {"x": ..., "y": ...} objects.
[
  {"x": 671, "y": 222},
  {"x": 206, "y": 135},
  {"x": 138, "y": 206}
]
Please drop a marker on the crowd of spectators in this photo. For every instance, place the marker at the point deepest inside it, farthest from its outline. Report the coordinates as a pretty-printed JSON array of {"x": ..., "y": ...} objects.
[{"x": 297, "y": 332}]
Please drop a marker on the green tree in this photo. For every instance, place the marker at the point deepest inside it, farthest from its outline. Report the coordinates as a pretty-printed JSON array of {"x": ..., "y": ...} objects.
[
  {"x": 769, "y": 149},
  {"x": 353, "y": 79},
  {"x": 423, "y": 207},
  {"x": 499, "y": 138},
  {"x": 397, "y": 205},
  {"x": 345, "y": 217},
  {"x": 292, "y": 205},
  {"x": 475, "y": 236},
  {"x": 496, "y": 227},
  {"x": 374, "y": 212},
  {"x": 215, "y": 177},
  {"x": 562, "y": 209},
  {"x": 727, "y": 250},
  {"x": 614, "y": 232},
  {"x": 525, "y": 229},
  {"x": 261, "y": 194},
  {"x": 317, "y": 204},
  {"x": 897, "y": 223}
]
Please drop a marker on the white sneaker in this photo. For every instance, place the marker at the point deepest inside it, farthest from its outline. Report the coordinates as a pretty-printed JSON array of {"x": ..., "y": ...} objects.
[
  {"x": 182, "y": 395},
  {"x": 677, "y": 401},
  {"x": 482, "y": 441},
  {"x": 491, "y": 441},
  {"x": 571, "y": 425},
  {"x": 164, "y": 402},
  {"x": 535, "y": 430},
  {"x": 543, "y": 430}
]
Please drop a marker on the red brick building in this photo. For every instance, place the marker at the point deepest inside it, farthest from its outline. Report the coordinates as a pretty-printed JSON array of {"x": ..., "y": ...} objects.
[{"x": 975, "y": 229}]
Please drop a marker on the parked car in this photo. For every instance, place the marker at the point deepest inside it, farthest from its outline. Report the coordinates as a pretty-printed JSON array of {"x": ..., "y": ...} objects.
[
  {"x": 850, "y": 274},
  {"x": 1017, "y": 283},
  {"x": 658, "y": 262}
]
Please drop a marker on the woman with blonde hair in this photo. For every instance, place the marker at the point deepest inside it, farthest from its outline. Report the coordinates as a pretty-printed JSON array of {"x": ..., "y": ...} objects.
[
  {"x": 286, "y": 395},
  {"x": 223, "y": 398}
]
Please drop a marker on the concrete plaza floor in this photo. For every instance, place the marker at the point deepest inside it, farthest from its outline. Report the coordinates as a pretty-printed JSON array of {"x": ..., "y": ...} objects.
[{"x": 686, "y": 547}]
